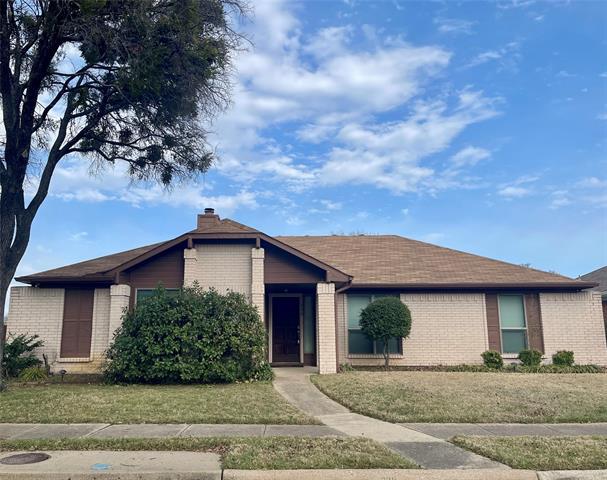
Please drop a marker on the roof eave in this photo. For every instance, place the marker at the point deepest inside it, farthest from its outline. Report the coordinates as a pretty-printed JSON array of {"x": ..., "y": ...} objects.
[
  {"x": 573, "y": 285},
  {"x": 35, "y": 280}
]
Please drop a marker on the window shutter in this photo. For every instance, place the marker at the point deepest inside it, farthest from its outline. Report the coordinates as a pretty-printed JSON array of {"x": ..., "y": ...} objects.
[
  {"x": 533, "y": 312},
  {"x": 77, "y": 323},
  {"x": 493, "y": 322}
]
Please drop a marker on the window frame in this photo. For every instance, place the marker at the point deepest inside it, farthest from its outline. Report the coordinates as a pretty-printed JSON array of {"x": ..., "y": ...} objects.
[
  {"x": 376, "y": 352},
  {"x": 150, "y": 289},
  {"x": 525, "y": 330}
]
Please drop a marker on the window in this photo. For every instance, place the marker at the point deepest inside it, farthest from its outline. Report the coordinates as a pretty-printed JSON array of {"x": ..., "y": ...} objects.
[
  {"x": 512, "y": 323},
  {"x": 358, "y": 342},
  {"x": 143, "y": 293}
]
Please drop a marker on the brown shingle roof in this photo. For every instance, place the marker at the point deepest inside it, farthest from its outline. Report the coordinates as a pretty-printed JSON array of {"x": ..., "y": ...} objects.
[
  {"x": 599, "y": 276},
  {"x": 390, "y": 259},
  {"x": 93, "y": 268},
  {"x": 370, "y": 259}
]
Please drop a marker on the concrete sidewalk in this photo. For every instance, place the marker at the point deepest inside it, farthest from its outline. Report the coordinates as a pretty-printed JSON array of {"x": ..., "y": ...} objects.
[
  {"x": 450, "y": 430},
  {"x": 20, "y": 431}
]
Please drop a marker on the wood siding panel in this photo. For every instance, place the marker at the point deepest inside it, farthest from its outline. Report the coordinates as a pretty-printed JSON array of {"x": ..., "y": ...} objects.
[
  {"x": 493, "y": 322},
  {"x": 282, "y": 267},
  {"x": 165, "y": 268},
  {"x": 533, "y": 313},
  {"x": 77, "y": 323}
]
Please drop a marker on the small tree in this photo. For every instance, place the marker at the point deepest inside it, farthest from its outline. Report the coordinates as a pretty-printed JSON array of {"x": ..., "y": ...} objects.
[{"x": 384, "y": 319}]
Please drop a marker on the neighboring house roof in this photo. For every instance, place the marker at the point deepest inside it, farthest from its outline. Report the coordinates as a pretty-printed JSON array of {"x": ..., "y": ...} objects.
[
  {"x": 598, "y": 276},
  {"x": 368, "y": 260},
  {"x": 391, "y": 259}
]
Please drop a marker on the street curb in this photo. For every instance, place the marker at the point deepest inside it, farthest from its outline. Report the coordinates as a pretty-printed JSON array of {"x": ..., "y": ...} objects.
[{"x": 381, "y": 474}]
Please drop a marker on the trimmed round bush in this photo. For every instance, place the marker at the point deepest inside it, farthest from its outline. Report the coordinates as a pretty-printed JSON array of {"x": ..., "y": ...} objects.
[
  {"x": 386, "y": 318},
  {"x": 563, "y": 358},
  {"x": 493, "y": 359},
  {"x": 195, "y": 336},
  {"x": 530, "y": 357}
]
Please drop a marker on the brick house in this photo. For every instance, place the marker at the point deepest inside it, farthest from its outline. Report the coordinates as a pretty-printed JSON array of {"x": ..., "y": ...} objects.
[
  {"x": 599, "y": 278},
  {"x": 309, "y": 291}
]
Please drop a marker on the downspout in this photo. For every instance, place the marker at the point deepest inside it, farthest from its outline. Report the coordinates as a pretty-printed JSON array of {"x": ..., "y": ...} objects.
[{"x": 338, "y": 291}]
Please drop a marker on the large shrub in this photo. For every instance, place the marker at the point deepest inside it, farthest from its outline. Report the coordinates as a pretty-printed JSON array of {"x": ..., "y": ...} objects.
[
  {"x": 19, "y": 353},
  {"x": 563, "y": 358},
  {"x": 492, "y": 359},
  {"x": 384, "y": 319},
  {"x": 530, "y": 358},
  {"x": 193, "y": 337}
]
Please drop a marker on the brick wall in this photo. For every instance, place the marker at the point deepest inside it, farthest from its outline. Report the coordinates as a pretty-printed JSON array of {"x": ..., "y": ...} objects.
[
  {"x": 224, "y": 267},
  {"x": 40, "y": 311},
  {"x": 258, "y": 289},
  {"x": 190, "y": 266},
  {"x": 574, "y": 321},
  {"x": 325, "y": 326},
  {"x": 447, "y": 329}
]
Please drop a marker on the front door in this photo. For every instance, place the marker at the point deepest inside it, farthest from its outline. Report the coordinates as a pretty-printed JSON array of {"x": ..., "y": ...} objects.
[{"x": 285, "y": 329}]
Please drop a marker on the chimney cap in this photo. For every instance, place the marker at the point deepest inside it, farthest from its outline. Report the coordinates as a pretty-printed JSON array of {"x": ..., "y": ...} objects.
[{"x": 209, "y": 211}]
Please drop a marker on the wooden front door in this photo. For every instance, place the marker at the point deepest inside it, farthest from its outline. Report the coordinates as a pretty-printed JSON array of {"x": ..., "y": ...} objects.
[
  {"x": 77, "y": 323},
  {"x": 285, "y": 329}
]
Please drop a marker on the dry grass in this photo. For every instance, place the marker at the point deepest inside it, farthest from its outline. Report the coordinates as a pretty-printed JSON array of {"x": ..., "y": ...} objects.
[
  {"x": 270, "y": 453},
  {"x": 239, "y": 403},
  {"x": 541, "y": 453},
  {"x": 470, "y": 397}
]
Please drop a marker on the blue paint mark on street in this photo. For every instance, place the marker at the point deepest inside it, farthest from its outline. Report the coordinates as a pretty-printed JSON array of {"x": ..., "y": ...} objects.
[{"x": 101, "y": 466}]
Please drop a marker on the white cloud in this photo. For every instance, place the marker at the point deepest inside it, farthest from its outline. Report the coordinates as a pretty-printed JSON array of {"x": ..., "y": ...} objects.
[
  {"x": 602, "y": 116},
  {"x": 507, "y": 5},
  {"x": 514, "y": 192},
  {"x": 507, "y": 56},
  {"x": 560, "y": 198},
  {"x": 329, "y": 42},
  {"x": 331, "y": 205},
  {"x": 389, "y": 155},
  {"x": 75, "y": 180},
  {"x": 592, "y": 182},
  {"x": 454, "y": 25},
  {"x": 79, "y": 236},
  {"x": 518, "y": 188},
  {"x": 278, "y": 85},
  {"x": 469, "y": 156}
]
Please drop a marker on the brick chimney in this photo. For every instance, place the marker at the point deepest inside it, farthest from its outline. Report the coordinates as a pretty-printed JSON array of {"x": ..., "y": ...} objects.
[{"x": 207, "y": 218}]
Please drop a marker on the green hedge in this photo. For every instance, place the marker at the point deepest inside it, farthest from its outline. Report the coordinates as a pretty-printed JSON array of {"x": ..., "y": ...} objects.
[{"x": 195, "y": 336}]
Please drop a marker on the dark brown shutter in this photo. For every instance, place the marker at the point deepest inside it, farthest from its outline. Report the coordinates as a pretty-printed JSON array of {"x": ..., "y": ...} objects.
[
  {"x": 493, "y": 322},
  {"x": 77, "y": 323},
  {"x": 533, "y": 313}
]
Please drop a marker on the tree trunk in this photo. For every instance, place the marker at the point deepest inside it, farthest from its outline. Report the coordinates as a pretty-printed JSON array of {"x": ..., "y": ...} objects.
[
  {"x": 386, "y": 354},
  {"x": 3, "y": 291}
]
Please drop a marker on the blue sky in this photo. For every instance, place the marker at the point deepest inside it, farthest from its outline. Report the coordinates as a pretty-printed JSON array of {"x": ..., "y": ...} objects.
[{"x": 477, "y": 126}]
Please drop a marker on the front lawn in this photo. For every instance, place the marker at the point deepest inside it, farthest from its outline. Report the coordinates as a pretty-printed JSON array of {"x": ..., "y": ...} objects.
[
  {"x": 269, "y": 453},
  {"x": 470, "y": 397},
  {"x": 235, "y": 403},
  {"x": 541, "y": 453}
]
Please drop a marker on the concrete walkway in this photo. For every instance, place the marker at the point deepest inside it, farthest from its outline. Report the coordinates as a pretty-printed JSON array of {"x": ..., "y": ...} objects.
[{"x": 426, "y": 450}]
